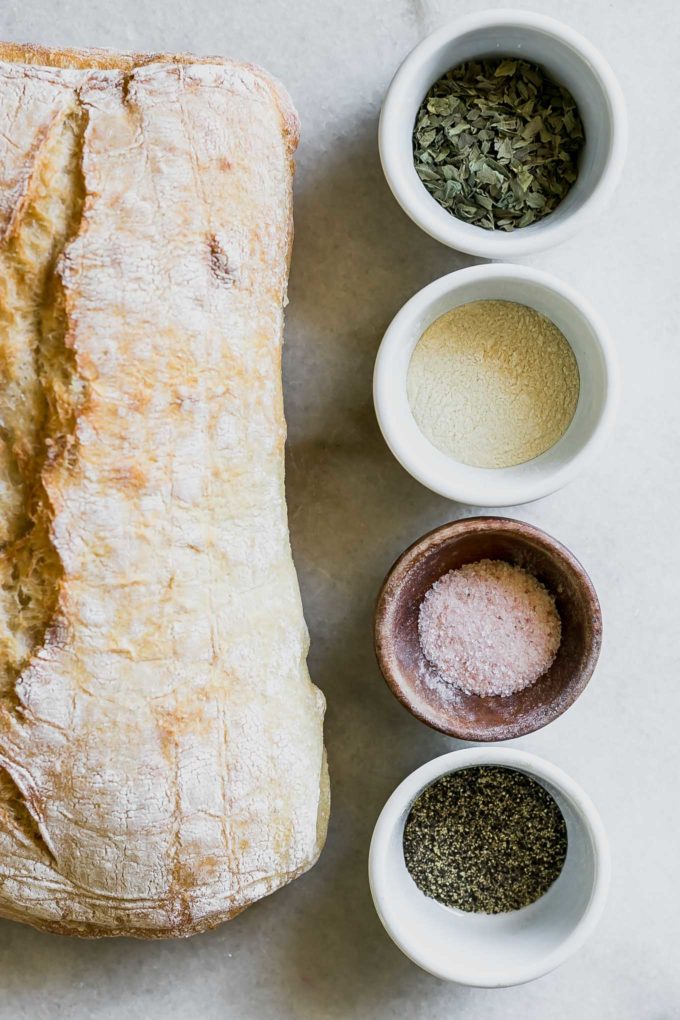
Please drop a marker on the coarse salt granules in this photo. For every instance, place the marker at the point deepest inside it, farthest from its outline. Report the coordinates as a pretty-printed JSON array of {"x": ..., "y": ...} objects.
[{"x": 489, "y": 628}]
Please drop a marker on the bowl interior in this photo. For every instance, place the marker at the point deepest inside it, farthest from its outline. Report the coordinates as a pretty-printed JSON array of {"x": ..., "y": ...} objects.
[
  {"x": 443, "y": 706},
  {"x": 491, "y": 486},
  {"x": 483, "y": 949},
  {"x": 564, "y": 62}
]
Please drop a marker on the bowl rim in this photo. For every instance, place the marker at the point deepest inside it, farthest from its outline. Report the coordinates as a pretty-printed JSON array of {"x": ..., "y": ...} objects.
[
  {"x": 452, "y": 486},
  {"x": 533, "y": 765},
  {"x": 544, "y": 234},
  {"x": 399, "y": 570}
]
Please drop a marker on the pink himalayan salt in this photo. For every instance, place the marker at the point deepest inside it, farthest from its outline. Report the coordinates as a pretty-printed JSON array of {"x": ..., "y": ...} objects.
[{"x": 489, "y": 627}]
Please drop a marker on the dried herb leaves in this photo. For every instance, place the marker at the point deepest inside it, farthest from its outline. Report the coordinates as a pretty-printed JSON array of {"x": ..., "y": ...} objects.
[{"x": 496, "y": 143}]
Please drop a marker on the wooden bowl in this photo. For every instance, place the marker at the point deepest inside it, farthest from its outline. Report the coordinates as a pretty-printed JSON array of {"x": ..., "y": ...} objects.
[{"x": 446, "y": 708}]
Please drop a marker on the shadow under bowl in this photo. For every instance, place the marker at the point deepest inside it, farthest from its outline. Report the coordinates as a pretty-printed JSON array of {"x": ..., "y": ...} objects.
[{"x": 446, "y": 708}]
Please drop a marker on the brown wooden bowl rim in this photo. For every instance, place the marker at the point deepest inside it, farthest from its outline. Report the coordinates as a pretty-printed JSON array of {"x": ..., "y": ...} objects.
[{"x": 398, "y": 571}]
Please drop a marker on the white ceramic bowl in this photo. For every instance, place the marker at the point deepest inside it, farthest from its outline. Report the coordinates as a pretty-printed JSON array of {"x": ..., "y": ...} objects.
[
  {"x": 496, "y": 950},
  {"x": 572, "y": 61},
  {"x": 595, "y": 411}
]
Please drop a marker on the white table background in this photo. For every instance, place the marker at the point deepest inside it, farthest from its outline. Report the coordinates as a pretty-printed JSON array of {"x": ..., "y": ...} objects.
[{"x": 315, "y": 950}]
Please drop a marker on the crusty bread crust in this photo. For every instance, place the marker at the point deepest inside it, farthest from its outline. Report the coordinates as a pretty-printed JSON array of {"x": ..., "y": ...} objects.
[
  {"x": 112, "y": 60},
  {"x": 156, "y": 775}
]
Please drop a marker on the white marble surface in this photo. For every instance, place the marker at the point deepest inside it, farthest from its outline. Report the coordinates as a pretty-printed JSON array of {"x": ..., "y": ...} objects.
[{"x": 315, "y": 951}]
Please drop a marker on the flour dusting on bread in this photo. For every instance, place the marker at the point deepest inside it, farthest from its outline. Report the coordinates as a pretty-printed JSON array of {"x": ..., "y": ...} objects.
[{"x": 161, "y": 746}]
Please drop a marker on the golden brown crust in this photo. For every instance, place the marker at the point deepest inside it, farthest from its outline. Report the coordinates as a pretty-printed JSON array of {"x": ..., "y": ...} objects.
[
  {"x": 86, "y": 59},
  {"x": 225, "y": 791},
  {"x": 100, "y": 59}
]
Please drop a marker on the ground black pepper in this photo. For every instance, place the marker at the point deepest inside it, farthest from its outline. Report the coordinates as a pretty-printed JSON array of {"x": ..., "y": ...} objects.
[{"x": 486, "y": 839}]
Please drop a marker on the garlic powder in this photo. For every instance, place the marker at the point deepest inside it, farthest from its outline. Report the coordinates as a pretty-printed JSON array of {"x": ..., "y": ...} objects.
[{"x": 493, "y": 383}]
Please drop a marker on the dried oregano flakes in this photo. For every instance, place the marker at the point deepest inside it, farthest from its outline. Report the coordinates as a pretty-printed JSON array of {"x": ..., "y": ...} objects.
[{"x": 497, "y": 142}]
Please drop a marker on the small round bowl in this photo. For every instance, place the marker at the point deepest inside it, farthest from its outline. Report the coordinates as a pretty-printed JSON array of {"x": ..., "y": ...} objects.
[
  {"x": 485, "y": 950},
  {"x": 446, "y": 708},
  {"x": 572, "y": 61},
  {"x": 589, "y": 428}
]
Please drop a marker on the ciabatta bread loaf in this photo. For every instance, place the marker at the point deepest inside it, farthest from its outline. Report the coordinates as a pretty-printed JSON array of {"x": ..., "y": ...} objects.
[{"x": 161, "y": 749}]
